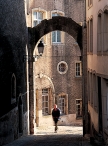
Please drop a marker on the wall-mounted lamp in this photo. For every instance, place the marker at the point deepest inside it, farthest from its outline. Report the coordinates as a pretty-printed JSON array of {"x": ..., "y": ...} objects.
[
  {"x": 40, "y": 48},
  {"x": 40, "y": 51},
  {"x": 35, "y": 57}
]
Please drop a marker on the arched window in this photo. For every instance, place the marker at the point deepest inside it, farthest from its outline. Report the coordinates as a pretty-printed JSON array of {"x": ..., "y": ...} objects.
[{"x": 13, "y": 88}]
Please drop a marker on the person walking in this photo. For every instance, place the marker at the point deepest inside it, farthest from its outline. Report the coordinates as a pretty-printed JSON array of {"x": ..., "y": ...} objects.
[{"x": 55, "y": 115}]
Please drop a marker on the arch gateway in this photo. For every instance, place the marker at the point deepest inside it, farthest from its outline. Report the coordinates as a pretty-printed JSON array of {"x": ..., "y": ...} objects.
[{"x": 79, "y": 34}]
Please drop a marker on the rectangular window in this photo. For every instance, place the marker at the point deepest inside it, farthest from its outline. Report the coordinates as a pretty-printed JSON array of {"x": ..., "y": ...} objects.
[
  {"x": 56, "y": 35},
  {"x": 88, "y": 37},
  {"x": 37, "y": 18},
  {"x": 78, "y": 69},
  {"x": 91, "y": 35},
  {"x": 62, "y": 104},
  {"x": 99, "y": 34},
  {"x": 45, "y": 102},
  {"x": 78, "y": 107}
]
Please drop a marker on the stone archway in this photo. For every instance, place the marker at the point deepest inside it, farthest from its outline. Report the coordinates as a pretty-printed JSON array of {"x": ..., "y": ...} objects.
[
  {"x": 79, "y": 34},
  {"x": 56, "y": 23}
]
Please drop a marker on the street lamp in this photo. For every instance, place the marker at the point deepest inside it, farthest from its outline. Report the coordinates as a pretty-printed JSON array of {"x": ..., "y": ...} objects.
[
  {"x": 40, "y": 48},
  {"x": 34, "y": 58}
]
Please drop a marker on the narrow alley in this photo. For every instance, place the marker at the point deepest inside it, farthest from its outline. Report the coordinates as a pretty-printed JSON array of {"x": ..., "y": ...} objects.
[{"x": 45, "y": 136}]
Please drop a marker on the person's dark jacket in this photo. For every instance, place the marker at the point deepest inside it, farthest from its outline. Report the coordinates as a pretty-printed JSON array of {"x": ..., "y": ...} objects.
[{"x": 56, "y": 114}]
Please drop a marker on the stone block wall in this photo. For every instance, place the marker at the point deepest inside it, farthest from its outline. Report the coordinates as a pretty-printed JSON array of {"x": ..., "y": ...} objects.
[
  {"x": 9, "y": 127},
  {"x": 13, "y": 40}
]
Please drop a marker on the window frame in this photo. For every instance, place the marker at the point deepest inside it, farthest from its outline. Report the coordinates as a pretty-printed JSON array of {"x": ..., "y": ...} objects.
[
  {"x": 105, "y": 30},
  {"x": 44, "y": 12},
  {"x": 61, "y": 106},
  {"x": 60, "y": 13},
  {"x": 37, "y": 19},
  {"x": 39, "y": 10},
  {"x": 65, "y": 103},
  {"x": 66, "y": 67},
  {"x": 99, "y": 33},
  {"x": 44, "y": 95},
  {"x": 77, "y": 115},
  {"x": 80, "y": 69}
]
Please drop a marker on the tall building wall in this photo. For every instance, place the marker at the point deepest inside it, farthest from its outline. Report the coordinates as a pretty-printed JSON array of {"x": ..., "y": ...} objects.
[
  {"x": 13, "y": 39},
  {"x": 97, "y": 56}
]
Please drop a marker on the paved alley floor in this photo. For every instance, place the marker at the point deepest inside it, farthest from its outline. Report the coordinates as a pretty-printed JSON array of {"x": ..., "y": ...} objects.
[{"x": 45, "y": 136}]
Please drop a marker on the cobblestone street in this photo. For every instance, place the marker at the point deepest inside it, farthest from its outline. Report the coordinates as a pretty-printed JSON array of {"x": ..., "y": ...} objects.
[{"x": 45, "y": 136}]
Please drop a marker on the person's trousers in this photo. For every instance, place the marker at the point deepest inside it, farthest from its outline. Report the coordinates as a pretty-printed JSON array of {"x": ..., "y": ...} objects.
[{"x": 56, "y": 120}]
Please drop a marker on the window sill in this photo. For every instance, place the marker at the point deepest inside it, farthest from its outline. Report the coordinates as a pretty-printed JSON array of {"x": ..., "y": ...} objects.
[
  {"x": 78, "y": 77},
  {"x": 59, "y": 43}
]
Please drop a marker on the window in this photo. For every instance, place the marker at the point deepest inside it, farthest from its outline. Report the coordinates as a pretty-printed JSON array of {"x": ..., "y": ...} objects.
[
  {"x": 62, "y": 104},
  {"x": 88, "y": 36},
  {"x": 37, "y": 18},
  {"x": 62, "y": 67},
  {"x": 78, "y": 107},
  {"x": 99, "y": 33},
  {"x": 13, "y": 88},
  {"x": 45, "y": 102},
  {"x": 38, "y": 15},
  {"x": 91, "y": 35},
  {"x": 105, "y": 35},
  {"x": 78, "y": 69},
  {"x": 56, "y": 35}
]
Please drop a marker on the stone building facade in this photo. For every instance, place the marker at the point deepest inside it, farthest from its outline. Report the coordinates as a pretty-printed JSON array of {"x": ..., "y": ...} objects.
[
  {"x": 97, "y": 36},
  {"x": 13, "y": 79},
  {"x": 58, "y": 73}
]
